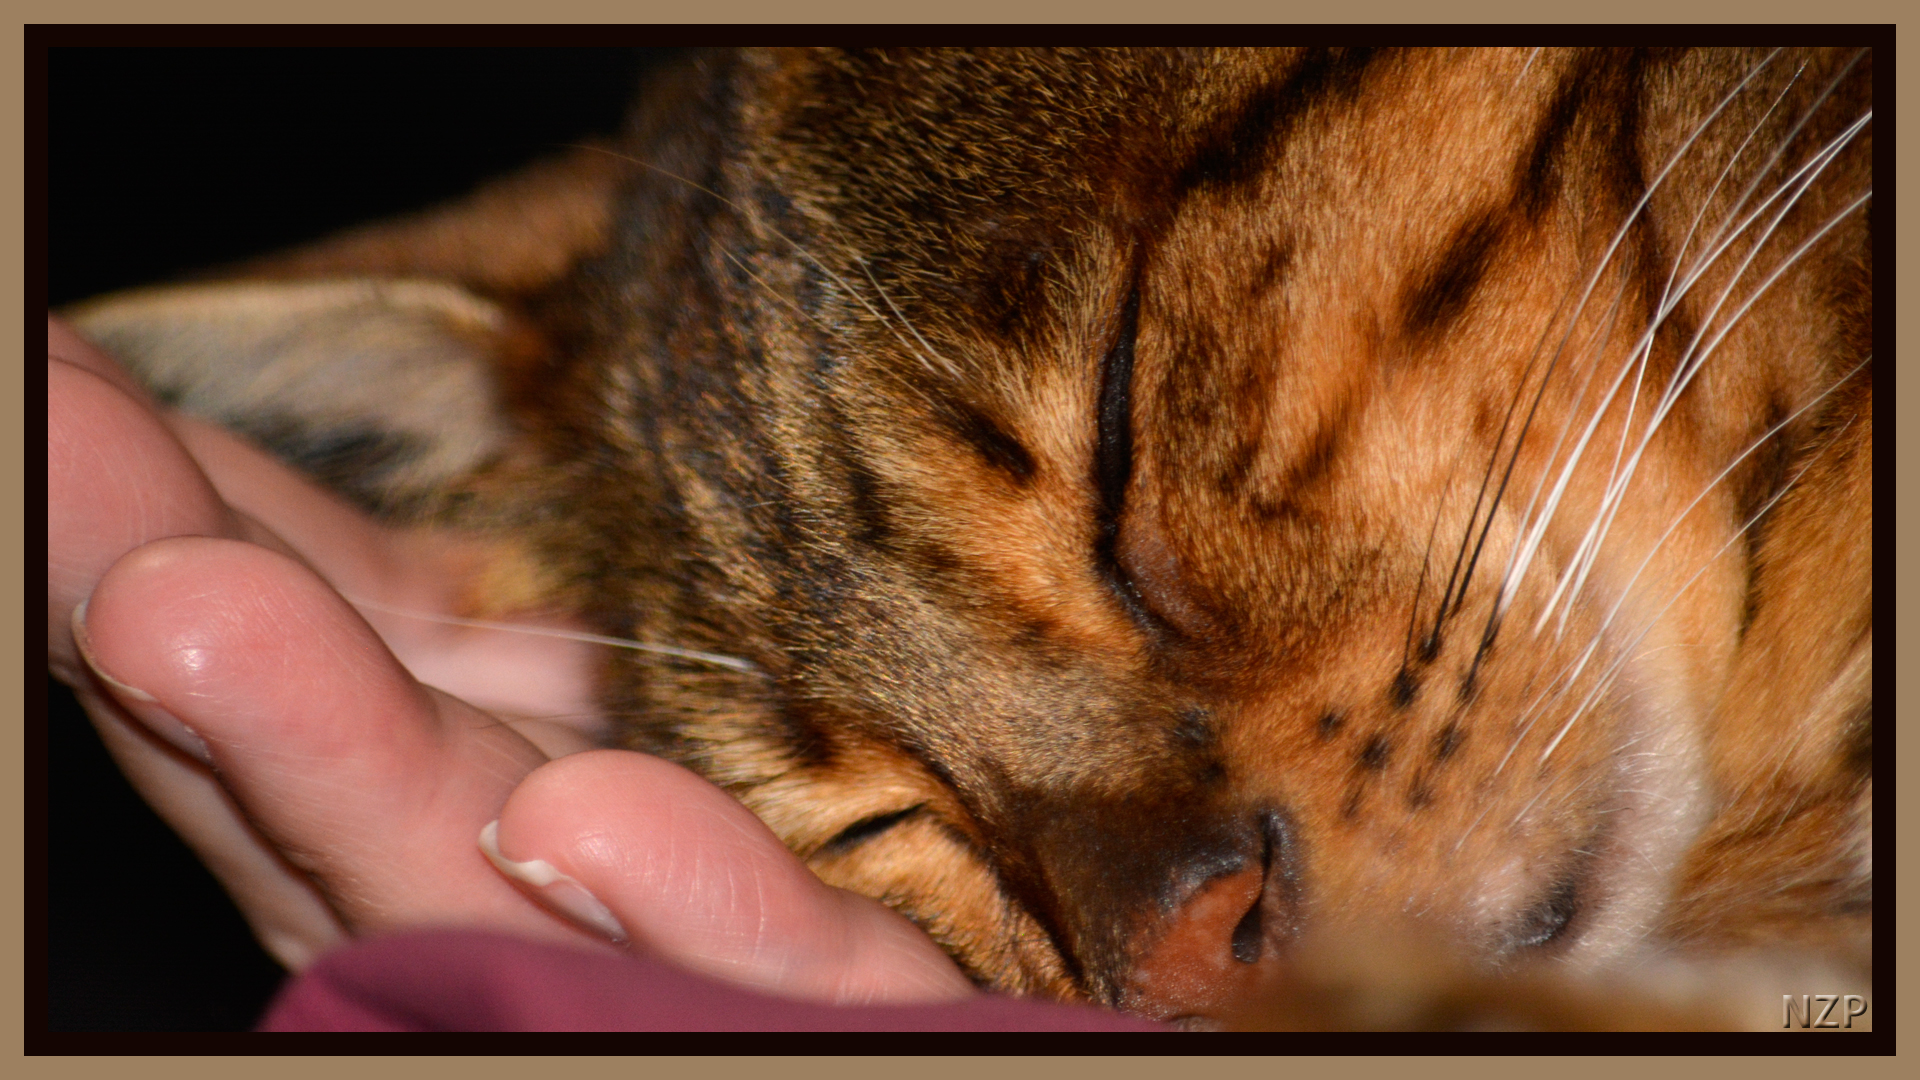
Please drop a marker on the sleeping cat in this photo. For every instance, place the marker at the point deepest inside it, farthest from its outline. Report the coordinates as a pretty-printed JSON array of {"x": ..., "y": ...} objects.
[{"x": 1157, "y": 519}]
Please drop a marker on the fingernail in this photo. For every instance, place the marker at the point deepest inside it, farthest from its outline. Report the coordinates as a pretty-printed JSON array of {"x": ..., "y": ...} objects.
[
  {"x": 553, "y": 887},
  {"x": 139, "y": 704}
]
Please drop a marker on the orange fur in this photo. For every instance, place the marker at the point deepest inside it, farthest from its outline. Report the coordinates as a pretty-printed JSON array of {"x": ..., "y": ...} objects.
[{"x": 1110, "y": 464}]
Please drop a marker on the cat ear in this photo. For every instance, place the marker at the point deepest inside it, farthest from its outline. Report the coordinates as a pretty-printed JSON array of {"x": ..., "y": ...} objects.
[
  {"x": 374, "y": 360},
  {"x": 385, "y": 391}
]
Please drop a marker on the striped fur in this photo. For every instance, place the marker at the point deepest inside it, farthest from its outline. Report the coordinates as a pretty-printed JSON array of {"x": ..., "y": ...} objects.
[{"x": 1139, "y": 481}]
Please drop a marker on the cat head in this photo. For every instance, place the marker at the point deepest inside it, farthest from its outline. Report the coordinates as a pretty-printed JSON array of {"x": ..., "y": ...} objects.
[
  {"x": 1148, "y": 515},
  {"x": 1180, "y": 504}
]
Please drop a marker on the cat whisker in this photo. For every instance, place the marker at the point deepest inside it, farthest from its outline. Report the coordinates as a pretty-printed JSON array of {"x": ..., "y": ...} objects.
[
  {"x": 1524, "y": 68},
  {"x": 1593, "y": 779},
  {"x": 1615, "y": 496},
  {"x": 782, "y": 297},
  {"x": 1426, "y": 556},
  {"x": 1584, "y": 554},
  {"x": 1503, "y": 596},
  {"x": 1569, "y": 672},
  {"x": 1783, "y": 145},
  {"x": 515, "y": 721},
  {"x": 1551, "y": 694},
  {"x": 830, "y": 332},
  {"x": 1688, "y": 366},
  {"x": 1518, "y": 567},
  {"x": 1621, "y": 234},
  {"x": 1667, "y": 294},
  {"x": 1450, "y": 601},
  {"x": 1794, "y": 187},
  {"x": 1669, "y": 299},
  {"x": 951, "y": 368},
  {"x": 1626, "y": 652},
  {"x": 732, "y": 663}
]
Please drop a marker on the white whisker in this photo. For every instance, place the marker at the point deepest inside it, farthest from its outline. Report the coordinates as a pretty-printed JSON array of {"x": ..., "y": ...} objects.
[
  {"x": 1690, "y": 363},
  {"x": 1669, "y": 299},
  {"x": 906, "y": 322},
  {"x": 1519, "y": 566},
  {"x": 778, "y": 295},
  {"x": 1509, "y": 579},
  {"x": 1571, "y": 671},
  {"x": 1616, "y": 493},
  {"x": 731, "y": 662},
  {"x": 1626, "y": 652},
  {"x": 1524, "y": 68},
  {"x": 1781, "y": 147}
]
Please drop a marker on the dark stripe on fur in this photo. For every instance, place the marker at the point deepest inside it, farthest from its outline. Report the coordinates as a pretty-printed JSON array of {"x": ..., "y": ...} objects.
[
  {"x": 1316, "y": 458},
  {"x": 1238, "y": 151},
  {"x": 872, "y": 522},
  {"x": 1540, "y": 169},
  {"x": 357, "y": 462},
  {"x": 1114, "y": 465},
  {"x": 1442, "y": 296},
  {"x": 992, "y": 442}
]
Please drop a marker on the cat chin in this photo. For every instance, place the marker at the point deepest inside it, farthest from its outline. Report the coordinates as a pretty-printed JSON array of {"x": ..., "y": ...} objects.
[{"x": 1661, "y": 804}]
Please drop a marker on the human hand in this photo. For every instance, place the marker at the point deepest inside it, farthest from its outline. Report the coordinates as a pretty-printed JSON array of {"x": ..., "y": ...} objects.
[{"x": 298, "y": 752}]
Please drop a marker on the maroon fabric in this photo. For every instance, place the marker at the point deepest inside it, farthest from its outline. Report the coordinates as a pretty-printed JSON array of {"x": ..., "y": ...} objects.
[{"x": 464, "y": 980}]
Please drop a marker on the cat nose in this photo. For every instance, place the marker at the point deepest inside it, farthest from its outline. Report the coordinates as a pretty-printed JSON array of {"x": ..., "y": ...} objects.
[{"x": 1225, "y": 939}]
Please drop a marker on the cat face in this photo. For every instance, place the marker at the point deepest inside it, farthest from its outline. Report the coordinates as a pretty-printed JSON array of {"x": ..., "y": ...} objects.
[
  {"x": 1178, "y": 505},
  {"x": 1155, "y": 517}
]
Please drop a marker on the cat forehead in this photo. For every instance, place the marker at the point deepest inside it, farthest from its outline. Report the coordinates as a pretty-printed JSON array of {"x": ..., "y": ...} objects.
[{"x": 1004, "y": 202}]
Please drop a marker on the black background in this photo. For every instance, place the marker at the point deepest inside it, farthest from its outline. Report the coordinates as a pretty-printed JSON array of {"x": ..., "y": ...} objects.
[{"x": 163, "y": 160}]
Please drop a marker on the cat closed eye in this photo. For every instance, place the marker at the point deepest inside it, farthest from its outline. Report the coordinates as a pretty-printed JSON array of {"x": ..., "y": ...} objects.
[{"x": 866, "y": 829}]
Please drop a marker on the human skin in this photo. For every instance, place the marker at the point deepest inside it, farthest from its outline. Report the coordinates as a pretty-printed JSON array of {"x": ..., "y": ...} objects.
[{"x": 295, "y": 744}]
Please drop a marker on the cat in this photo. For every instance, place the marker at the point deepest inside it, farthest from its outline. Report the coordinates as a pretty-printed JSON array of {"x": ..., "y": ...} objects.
[{"x": 1168, "y": 520}]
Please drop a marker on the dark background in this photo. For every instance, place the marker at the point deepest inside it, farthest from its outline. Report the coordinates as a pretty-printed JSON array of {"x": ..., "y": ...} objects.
[{"x": 163, "y": 160}]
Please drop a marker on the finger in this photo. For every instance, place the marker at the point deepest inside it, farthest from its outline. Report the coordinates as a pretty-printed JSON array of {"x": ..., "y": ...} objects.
[
  {"x": 120, "y": 473},
  {"x": 65, "y": 344},
  {"x": 689, "y": 874},
  {"x": 365, "y": 780},
  {"x": 115, "y": 480},
  {"x": 288, "y": 914},
  {"x": 411, "y": 576}
]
